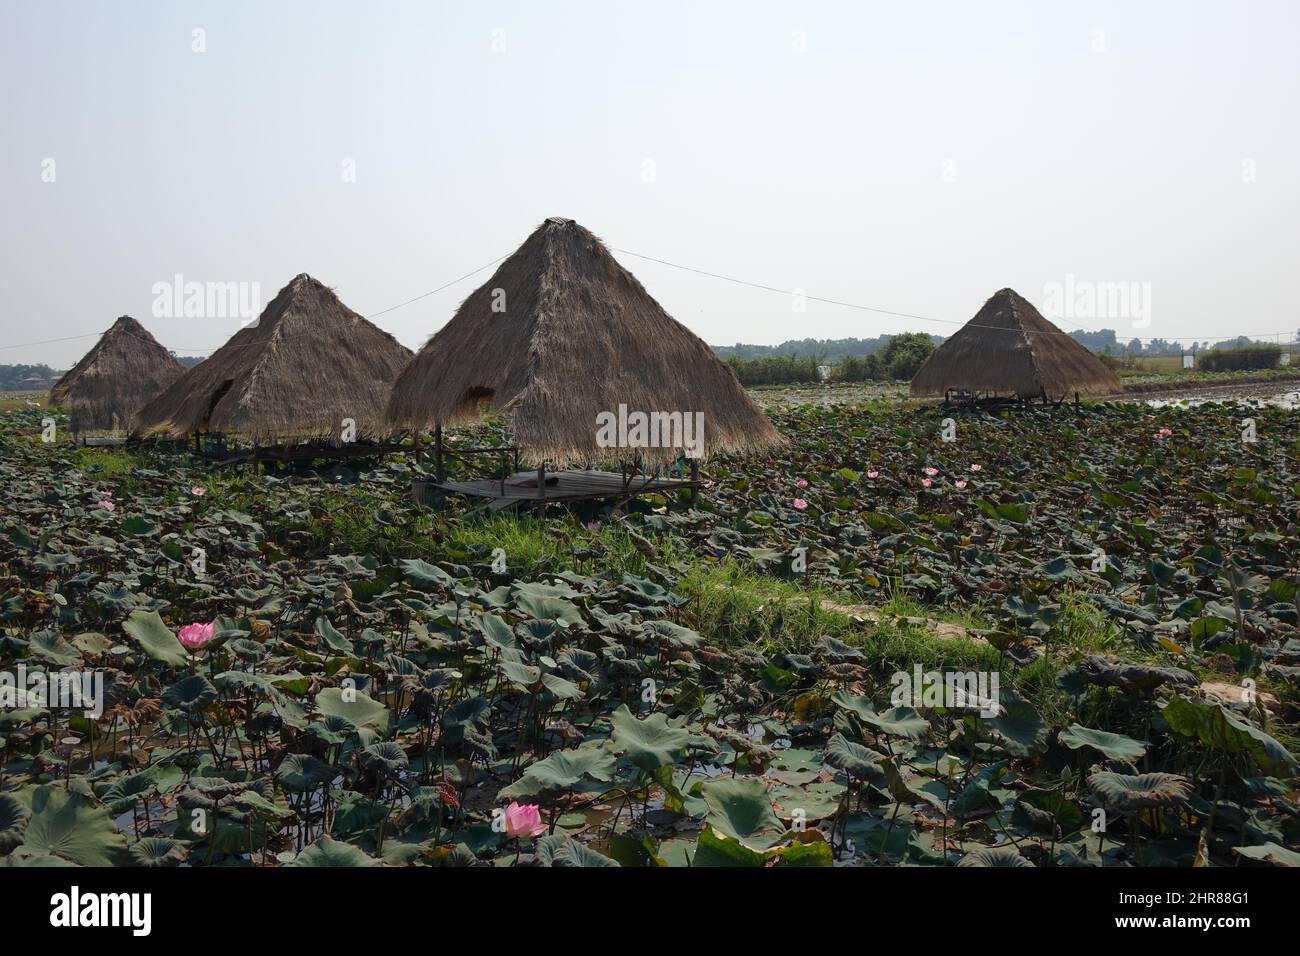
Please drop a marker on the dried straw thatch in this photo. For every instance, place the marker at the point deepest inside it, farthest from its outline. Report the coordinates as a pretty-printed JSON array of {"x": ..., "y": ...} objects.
[
  {"x": 1010, "y": 349},
  {"x": 560, "y": 334},
  {"x": 306, "y": 365},
  {"x": 125, "y": 369}
]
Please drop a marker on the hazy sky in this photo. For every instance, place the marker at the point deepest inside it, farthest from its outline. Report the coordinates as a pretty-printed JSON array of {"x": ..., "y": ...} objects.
[{"x": 912, "y": 157}]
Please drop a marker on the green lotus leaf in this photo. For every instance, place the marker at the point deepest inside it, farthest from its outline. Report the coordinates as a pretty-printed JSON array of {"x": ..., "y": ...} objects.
[
  {"x": 387, "y": 757},
  {"x": 1140, "y": 791},
  {"x": 157, "y": 852},
  {"x": 741, "y": 809},
  {"x": 13, "y": 820},
  {"x": 51, "y": 646},
  {"x": 564, "y": 851},
  {"x": 563, "y": 612},
  {"x": 648, "y": 743},
  {"x": 562, "y": 770},
  {"x": 994, "y": 856},
  {"x": 301, "y": 772},
  {"x": 1018, "y": 728},
  {"x": 155, "y": 638},
  {"x": 859, "y": 762},
  {"x": 426, "y": 576},
  {"x": 332, "y": 853},
  {"x": 1113, "y": 746},
  {"x": 67, "y": 825},
  {"x": 1217, "y": 728},
  {"x": 191, "y": 695},
  {"x": 352, "y": 705}
]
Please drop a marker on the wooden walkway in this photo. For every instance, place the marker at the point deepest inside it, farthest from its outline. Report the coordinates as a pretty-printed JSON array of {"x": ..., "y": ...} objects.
[{"x": 521, "y": 488}]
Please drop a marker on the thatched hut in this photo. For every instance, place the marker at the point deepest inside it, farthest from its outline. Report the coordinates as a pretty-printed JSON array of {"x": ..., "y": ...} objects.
[
  {"x": 125, "y": 369},
  {"x": 308, "y": 365},
  {"x": 568, "y": 342},
  {"x": 1008, "y": 349}
]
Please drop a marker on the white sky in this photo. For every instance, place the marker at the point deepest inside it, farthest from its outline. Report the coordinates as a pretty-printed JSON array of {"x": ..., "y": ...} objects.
[{"x": 911, "y": 157}]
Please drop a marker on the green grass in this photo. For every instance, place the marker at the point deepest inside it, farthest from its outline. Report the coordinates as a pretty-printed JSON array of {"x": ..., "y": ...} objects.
[
  {"x": 106, "y": 462},
  {"x": 734, "y": 606}
]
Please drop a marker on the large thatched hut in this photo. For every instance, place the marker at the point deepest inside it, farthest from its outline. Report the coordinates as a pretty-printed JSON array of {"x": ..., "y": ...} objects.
[
  {"x": 1009, "y": 349},
  {"x": 125, "y": 369},
  {"x": 305, "y": 368},
  {"x": 573, "y": 347}
]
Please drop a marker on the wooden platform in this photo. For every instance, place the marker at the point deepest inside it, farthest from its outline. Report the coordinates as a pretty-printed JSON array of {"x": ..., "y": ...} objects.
[{"x": 521, "y": 488}]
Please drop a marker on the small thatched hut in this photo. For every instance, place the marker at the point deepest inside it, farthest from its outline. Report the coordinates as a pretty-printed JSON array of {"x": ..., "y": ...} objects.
[
  {"x": 1009, "y": 349},
  {"x": 125, "y": 369},
  {"x": 564, "y": 338},
  {"x": 308, "y": 364}
]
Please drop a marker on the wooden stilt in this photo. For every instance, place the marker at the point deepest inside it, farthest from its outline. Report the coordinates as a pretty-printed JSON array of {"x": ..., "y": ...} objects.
[{"x": 440, "y": 468}]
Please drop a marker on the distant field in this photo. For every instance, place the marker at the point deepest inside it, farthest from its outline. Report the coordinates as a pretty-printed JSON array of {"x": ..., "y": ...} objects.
[
  {"x": 1153, "y": 365},
  {"x": 12, "y": 401}
]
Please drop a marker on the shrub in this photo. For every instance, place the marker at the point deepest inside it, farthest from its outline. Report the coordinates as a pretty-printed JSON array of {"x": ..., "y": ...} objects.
[{"x": 1231, "y": 360}]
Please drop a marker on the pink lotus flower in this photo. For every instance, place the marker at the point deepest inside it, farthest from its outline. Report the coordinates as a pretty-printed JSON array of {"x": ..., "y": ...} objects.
[
  {"x": 106, "y": 504},
  {"x": 194, "y": 636},
  {"x": 873, "y": 474},
  {"x": 976, "y": 467},
  {"x": 800, "y": 504},
  {"x": 927, "y": 482},
  {"x": 802, "y": 482},
  {"x": 930, "y": 471},
  {"x": 198, "y": 491},
  {"x": 960, "y": 484},
  {"x": 524, "y": 820}
]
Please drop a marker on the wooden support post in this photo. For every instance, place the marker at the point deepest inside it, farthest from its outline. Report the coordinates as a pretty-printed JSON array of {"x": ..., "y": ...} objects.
[
  {"x": 541, "y": 490},
  {"x": 695, "y": 481},
  {"x": 440, "y": 469}
]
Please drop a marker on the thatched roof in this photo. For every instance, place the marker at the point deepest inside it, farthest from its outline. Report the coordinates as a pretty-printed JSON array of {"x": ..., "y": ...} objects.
[
  {"x": 574, "y": 335},
  {"x": 308, "y": 363},
  {"x": 1008, "y": 347},
  {"x": 125, "y": 369}
]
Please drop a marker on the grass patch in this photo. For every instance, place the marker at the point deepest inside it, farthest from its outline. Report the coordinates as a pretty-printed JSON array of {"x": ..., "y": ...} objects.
[{"x": 105, "y": 461}]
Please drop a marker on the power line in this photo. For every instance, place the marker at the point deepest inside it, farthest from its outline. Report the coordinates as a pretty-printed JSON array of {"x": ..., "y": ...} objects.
[
  {"x": 713, "y": 275},
  {"x": 906, "y": 315},
  {"x": 191, "y": 351}
]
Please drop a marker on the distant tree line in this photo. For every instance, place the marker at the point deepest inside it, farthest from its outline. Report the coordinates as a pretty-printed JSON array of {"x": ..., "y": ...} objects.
[
  {"x": 898, "y": 360},
  {"x": 14, "y": 378},
  {"x": 826, "y": 350}
]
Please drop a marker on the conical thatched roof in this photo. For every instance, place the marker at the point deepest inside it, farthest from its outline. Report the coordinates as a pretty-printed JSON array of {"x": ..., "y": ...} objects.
[
  {"x": 574, "y": 335},
  {"x": 1010, "y": 348},
  {"x": 308, "y": 363},
  {"x": 125, "y": 369}
]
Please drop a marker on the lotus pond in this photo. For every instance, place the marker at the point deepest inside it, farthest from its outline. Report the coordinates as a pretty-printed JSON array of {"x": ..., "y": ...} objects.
[{"x": 308, "y": 670}]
